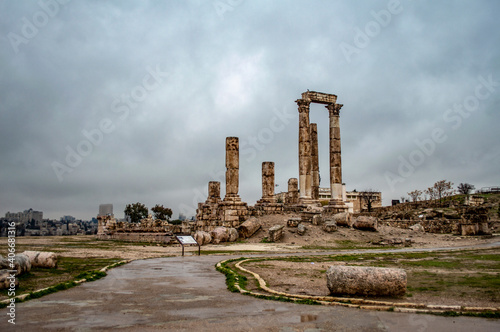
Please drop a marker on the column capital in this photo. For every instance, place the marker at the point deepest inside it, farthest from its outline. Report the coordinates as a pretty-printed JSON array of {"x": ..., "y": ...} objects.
[
  {"x": 303, "y": 105},
  {"x": 334, "y": 109}
]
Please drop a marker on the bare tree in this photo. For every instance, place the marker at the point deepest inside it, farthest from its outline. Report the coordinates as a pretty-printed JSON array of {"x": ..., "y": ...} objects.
[
  {"x": 369, "y": 196},
  {"x": 443, "y": 189},
  {"x": 415, "y": 195},
  {"x": 432, "y": 193},
  {"x": 465, "y": 188}
]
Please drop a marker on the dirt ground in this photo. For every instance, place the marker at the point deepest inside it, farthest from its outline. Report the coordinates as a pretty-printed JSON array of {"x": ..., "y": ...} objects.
[
  {"x": 309, "y": 278},
  {"x": 315, "y": 239},
  {"x": 306, "y": 278},
  {"x": 345, "y": 237}
]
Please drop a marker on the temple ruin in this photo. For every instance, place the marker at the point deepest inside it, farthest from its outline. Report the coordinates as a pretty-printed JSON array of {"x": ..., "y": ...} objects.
[
  {"x": 308, "y": 153},
  {"x": 303, "y": 193}
]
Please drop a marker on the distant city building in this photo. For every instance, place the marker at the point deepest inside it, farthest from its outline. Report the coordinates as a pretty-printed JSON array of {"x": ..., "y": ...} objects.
[
  {"x": 25, "y": 216},
  {"x": 106, "y": 210},
  {"x": 68, "y": 218},
  {"x": 355, "y": 200}
]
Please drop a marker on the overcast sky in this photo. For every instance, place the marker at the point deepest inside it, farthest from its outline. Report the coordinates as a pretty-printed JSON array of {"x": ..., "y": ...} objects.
[{"x": 131, "y": 101}]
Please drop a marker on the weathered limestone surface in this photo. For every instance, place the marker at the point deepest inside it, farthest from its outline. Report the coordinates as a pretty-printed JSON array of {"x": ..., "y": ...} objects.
[
  {"x": 275, "y": 233},
  {"x": 293, "y": 192},
  {"x": 317, "y": 220},
  {"x": 308, "y": 152},
  {"x": 5, "y": 281},
  {"x": 42, "y": 259},
  {"x": 367, "y": 281},
  {"x": 337, "y": 202},
  {"x": 233, "y": 234},
  {"x": 319, "y": 97},
  {"x": 293, "y": 222},
  {"x": 343, "y": 219},
  {"x": 202, "y": 237},
  {"x": 469, "y": 227},
  {"x": 304, "y": 151},
  {"x": 330, "y": 226},
  {"x": 366, "y": 223},
  {"x": 219, "y": 234},
  {"x": 417, "y": 228},
  {"x": 268, "y": 204},
  {"x": 301, "y": 229},
  {"x": 249, "y": 227},
  {"x": 268, "y": 181},
  {"x": 224, "y": 234},
  {"x": 232, "y": 211},
  {"x": 483, "y": 228},
  {"x": 21, "y": 264},
  {"x": 232, "y": 166},
  {"x": 314, "y": 161}
]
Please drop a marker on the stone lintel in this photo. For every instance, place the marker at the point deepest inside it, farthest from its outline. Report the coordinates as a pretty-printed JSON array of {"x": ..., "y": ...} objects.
[{"x": 319, "y": 97}]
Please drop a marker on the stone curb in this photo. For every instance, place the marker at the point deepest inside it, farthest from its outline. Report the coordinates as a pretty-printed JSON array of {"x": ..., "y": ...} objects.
[{"x": 407, "y": 307}]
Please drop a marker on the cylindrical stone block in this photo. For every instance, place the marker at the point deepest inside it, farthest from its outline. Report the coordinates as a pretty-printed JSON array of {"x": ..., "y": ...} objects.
[
  {"x": 267, "y": 179},
  {"x": 364, "y": 280},
  {"x": 335, "y": 152},
  {"x": 232, "y": 152},
  {"x": 304, "y": 149},
  {"x": 214, "y": 189},
  {"x": 293, "y": 185},
  {"x": 232, "y": 166},
  {"x": 231, "y": 182},
  {"x": 314, "y": 161}
]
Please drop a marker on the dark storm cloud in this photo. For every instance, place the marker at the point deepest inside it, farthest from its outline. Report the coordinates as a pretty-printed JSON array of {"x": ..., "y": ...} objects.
[{"x": 148, "y": 91}]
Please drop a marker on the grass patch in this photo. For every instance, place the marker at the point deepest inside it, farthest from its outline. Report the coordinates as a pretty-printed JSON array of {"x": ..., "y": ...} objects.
[
  {"x": 232, "y": 277},
  {"x": 68, "y": 269}
]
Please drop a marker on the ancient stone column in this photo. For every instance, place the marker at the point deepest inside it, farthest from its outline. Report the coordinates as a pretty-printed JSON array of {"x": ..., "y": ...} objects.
[
  {"x": 268, "y": 182},
  {"x": 214, "y": 191},
  {"x": 232, "y": 167},
  {"x": 304, "y": 151},
  {"x": 314, "y": 162},
  {"x": 335, "y": 155},
  {"x": 293, "y": 192}
]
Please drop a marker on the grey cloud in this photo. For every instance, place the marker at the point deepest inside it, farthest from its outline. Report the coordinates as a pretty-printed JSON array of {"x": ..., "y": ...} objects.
[{"x": 228, "y": 75}]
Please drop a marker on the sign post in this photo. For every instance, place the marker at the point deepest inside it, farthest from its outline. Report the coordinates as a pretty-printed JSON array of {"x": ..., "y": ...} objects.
[{"x": 186, "y": 240}]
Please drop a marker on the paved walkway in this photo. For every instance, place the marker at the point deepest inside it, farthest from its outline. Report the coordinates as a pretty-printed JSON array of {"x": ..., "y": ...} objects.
[{"x": 187, "y": 294}]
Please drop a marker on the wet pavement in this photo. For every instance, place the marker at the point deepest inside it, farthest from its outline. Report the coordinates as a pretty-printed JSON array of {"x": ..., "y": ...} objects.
[{"x": 188, "y": 294}]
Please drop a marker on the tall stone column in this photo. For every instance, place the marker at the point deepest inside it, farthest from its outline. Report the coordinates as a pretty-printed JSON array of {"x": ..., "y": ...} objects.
[
  {"x": 268, "y": 182},
  {"x": 314, "y": 162},
  {"x": 214, "y": 191},
  {"x": 304, "y": 151},
  {"x": 293, "y": 192},
  {"x": 335, "y": 158},
  {"x": 232, "y": 168},
  {"x": 232, "y": 211}
]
